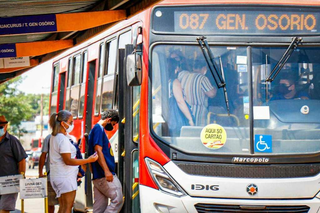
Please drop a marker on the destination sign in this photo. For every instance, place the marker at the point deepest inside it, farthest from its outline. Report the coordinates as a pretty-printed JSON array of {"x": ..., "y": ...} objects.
[{"x": 236, "y": 21}]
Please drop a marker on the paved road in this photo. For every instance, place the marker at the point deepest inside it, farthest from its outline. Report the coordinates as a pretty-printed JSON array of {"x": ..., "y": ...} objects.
[{"x": 31, "y": 205}]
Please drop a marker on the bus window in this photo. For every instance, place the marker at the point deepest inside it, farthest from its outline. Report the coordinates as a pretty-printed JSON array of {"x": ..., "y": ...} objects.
[
  {"x": 83, "y": 82},
  {"x": 99, "y": 80},
  {"x": 68, "y": 100},
  {"x": 108, "y": 79},
  {"x": 205, "y": 101},
  {"x": 53, "y": 105},
  {"x": 76, "y": 69},
  {"x": 55, "y": 78},
  {"x": 111, "y": 55},
  {"x": 124, "y": 39},
  {"x": 288, "y": 105},
  {"x": 101, "y": 60},
  {"x": 75, "y": 87}
]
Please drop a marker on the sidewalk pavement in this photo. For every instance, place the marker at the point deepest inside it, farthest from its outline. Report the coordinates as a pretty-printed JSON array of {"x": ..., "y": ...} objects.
[{"x": 31, "y": 206}]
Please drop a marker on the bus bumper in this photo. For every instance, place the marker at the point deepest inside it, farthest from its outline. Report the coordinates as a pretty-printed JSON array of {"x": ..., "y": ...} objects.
[{"x": 153, "y": 200}]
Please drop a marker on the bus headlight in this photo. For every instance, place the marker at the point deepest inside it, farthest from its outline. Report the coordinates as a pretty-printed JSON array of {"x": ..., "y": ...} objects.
[{"x": 163, "y": 179}]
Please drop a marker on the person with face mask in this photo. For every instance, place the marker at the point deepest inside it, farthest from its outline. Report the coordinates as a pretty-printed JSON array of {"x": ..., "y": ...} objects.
[
  {"x": 106, "y": 183},
  {"x": 287, "y": 88},
  {"x": 63, "y": 162},
  {"x": 12, "y": 162}
]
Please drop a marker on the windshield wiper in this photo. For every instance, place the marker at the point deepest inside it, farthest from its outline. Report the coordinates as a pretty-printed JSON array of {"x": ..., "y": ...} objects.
[
  {"x": 293, "y": 45},
  {"x": 214, "y": 68}
]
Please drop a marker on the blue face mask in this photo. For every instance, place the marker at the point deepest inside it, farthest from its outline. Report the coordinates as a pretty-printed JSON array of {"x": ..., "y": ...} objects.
[{"x": 2, "y": 132}]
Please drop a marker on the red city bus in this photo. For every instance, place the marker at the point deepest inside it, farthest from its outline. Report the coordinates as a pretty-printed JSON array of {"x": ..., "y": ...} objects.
[
  {"x": 250, "y": 73},
  {"x": 36, "y": 144}
]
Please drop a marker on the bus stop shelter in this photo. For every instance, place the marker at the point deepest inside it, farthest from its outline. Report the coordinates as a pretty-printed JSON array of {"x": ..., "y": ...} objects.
[{"x": 34, "y": 31}]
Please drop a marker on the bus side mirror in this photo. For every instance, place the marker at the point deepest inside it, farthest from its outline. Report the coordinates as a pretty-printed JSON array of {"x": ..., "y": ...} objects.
[
  {"x": 134, "y": 59},
  {"x": 134, "y": 68}
]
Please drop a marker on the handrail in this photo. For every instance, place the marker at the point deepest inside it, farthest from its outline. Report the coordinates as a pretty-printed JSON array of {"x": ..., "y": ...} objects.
[
  {"x": 137, "y": 104},
  {"x": 222, "y": 115},
  {"x": 135, "y": 185},
  {"x": 135, "y": 195}
]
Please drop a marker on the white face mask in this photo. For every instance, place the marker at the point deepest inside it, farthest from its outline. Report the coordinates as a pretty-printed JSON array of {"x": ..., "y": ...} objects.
[
  {"x": 70, "y": 128},
  {"x": 2, "y": 132}
]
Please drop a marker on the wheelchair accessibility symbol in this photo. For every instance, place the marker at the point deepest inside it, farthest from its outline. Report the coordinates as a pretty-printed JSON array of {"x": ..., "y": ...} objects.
[{"x": 263, "y": 143}]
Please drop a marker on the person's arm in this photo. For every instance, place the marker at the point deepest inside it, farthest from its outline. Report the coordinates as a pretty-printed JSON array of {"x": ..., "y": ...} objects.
[
  {"x": 177, "y": 93},
  {"x": 76, "y": 162},
  {"x": 207, "y": 87},
  {"x": 212, "y": 93},
  {"x": 103, "y": 164},
  {"x": 22, "y": 166},
  {"x": 41, "y": 163}
]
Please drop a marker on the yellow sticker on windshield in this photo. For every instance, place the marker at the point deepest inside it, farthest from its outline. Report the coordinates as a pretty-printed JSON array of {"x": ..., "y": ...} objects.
[{"x": 213, "y": 136}]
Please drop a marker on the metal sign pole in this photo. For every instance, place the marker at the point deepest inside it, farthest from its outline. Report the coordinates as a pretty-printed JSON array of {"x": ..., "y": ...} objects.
[
  {"x": 46, "y": 204},
  {"x": 22, "y": 200}
]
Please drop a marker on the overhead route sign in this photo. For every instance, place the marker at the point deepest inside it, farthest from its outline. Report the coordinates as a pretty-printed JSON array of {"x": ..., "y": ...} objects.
[
  {"x": 58, "y": 22},
  {"x": 28, "y": 24},
  {"x": 33, "y": 48},
  {"x": 9, "y": 184},
  {"x": 7, "y": 50}
]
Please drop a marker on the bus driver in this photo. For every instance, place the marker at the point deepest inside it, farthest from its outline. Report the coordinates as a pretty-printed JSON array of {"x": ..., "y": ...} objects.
[{"x": 287, "y": 88}]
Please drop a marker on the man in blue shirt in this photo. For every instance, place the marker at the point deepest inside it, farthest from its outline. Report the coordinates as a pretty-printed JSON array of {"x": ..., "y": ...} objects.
[{"x": 106, "y": 183}]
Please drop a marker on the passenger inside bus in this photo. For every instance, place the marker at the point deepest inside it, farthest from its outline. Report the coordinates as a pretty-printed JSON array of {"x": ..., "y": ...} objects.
[
  {"x": 179, "y": 112},
  {"x": 288, "y": 88},
  {"x": 197, "y": 89}
]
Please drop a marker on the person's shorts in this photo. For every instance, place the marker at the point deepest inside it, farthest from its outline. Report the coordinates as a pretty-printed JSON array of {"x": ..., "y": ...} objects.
[
  {"x": 52, "y": 200},
  {"x": 62, "y": 185},
  {"x": 8, "y": 202}
]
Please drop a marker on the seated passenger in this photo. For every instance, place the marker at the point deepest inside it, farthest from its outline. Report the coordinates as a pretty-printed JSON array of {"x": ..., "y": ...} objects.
[
  {"x": 287, "y": 88},
  {"x": 196, "y": 90}
]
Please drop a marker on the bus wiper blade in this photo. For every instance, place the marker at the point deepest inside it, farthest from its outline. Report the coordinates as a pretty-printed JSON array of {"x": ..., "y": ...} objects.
[
  {"x": 293, "y": 45},
  {"x": 225, "y": 88},
  {"x": 214, "y": 69}
]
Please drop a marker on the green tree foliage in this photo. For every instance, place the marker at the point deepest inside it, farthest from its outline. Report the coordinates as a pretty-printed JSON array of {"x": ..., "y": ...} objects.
[
  {"x": 35, "y": 102},
  {"x": 18, "y": 107}
]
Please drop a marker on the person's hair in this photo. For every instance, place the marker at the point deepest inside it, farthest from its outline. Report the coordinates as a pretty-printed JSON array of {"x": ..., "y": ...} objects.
[
  {"x": 113, "y": 114},
  {"x": 199, "y": 63},
  {"x": 172, "y": 65},
  {"x": 287, "y": 75},
  {"x": 182, "y": 62},
  {"x": 56, "y": 119}
]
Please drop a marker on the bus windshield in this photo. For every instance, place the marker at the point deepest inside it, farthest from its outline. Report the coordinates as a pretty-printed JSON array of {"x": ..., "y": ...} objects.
[{"x": 189, "y": 110}]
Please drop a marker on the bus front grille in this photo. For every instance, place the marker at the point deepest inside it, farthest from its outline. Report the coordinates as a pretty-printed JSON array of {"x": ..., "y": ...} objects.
[
  {"x": 217, "y": 208},
  {"x": 250, "y": 171}
]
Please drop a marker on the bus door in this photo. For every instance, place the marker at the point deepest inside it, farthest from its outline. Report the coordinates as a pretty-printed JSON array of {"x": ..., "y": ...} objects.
[
  {"x": 88, "y": 125},
  {"x": 83, "y": 200},
  {"x": 128, "y": 135}
]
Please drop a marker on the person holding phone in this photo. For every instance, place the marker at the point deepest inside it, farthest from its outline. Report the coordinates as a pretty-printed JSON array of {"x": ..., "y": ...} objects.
[
  {"x": 106, "y": 183},
  {"x": 63, "y": 162}
]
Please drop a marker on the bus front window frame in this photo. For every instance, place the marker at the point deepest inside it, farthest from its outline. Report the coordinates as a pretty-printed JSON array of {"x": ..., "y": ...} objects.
[{"x": 252, "y": 101}]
